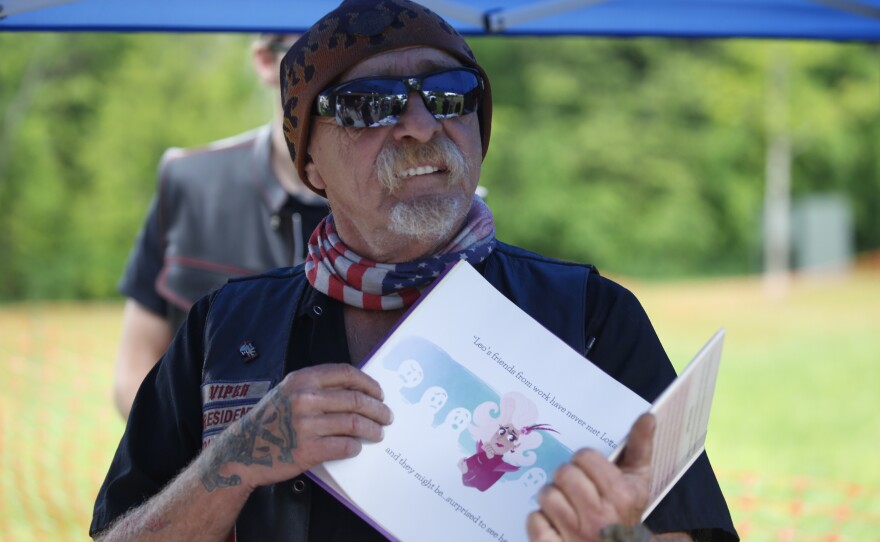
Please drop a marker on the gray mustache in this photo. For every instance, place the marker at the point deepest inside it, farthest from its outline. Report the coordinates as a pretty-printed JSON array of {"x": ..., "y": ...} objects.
[{"x": 394, "y": 159}]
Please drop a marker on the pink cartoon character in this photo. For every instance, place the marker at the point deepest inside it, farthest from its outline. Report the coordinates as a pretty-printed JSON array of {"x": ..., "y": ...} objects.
[{"x": 512, "y": 430}]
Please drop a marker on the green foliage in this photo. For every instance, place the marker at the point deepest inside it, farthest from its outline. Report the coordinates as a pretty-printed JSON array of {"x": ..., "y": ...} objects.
[
  {"x": 643, "y": 156},
  {"x": 51, "y": 90},
  {"x": 87, "y": 118},
  {"x": 203, "y": 91},
  {"x": 646, "y": 156}
]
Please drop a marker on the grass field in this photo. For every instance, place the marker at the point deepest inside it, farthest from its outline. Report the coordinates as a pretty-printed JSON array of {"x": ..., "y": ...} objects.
[{"x": 793, "y": 437}]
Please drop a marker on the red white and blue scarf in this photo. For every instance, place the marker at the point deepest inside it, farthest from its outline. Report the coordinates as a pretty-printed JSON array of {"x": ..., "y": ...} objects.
[{"x": 347, "y": 277}]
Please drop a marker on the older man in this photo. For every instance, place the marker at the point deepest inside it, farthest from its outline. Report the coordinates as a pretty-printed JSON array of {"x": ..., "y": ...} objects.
[{"x": 387, "y": 113}]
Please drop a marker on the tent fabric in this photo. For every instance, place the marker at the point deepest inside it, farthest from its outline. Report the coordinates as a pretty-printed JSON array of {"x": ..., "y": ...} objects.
[{"x": 842, "y": 20}]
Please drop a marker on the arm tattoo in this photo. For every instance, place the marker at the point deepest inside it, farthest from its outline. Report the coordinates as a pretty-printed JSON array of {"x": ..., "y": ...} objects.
[
  {"x": 156, "y": 525},
  {"x": 252, "y": 444}
]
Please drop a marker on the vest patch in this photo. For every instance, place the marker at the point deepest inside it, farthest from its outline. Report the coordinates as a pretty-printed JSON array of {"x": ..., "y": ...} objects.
[
  {"x": 216, "y": 392},
  {"x": 225, "y": 402}
]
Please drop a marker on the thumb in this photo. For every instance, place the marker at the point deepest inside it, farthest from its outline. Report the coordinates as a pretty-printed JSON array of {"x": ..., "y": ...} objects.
[{"x": 639, "y": 447}]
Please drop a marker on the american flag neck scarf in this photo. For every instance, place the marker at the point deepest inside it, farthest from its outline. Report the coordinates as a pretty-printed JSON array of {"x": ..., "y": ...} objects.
[{"x": 339, "y": 273}]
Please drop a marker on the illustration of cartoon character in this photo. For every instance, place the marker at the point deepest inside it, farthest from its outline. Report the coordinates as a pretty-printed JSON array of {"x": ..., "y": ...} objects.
[
  {"x": 423, "y": 413},
  {"x": 445, "y": 439},
  {"x": 433, "y": 399},
  {"x": 513, "y": 429},
  {"x": 456, "y": 421},
  {"x": 533, "y": 479},
  {"x": 410, "y": 373}
]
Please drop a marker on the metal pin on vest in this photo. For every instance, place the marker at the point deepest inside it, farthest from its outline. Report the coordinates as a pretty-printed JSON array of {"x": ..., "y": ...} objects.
[{"x": 248, "y": 351}]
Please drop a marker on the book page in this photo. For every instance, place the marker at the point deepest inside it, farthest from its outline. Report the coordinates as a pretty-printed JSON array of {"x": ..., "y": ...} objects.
[
  {"x": 487, "y": 404},
  {"x": 682, "y": 413}
]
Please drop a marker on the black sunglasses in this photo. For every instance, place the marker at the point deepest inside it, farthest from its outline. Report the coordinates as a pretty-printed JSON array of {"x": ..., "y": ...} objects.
[{"x": 371, "y": 102}]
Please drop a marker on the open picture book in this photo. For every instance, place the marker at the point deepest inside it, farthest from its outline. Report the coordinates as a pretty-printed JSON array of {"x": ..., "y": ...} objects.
[{"x": 487, "y": 404}]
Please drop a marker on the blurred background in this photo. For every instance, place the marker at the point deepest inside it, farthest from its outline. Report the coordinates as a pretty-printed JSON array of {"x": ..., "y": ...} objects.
[{"x": 666, "y": 163}]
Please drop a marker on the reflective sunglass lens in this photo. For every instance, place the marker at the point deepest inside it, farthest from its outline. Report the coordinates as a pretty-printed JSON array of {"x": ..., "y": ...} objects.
[
  {"x": 360, "y": 111},
  {"x": 445, "y": 106},
  {"x": 379, "y": 101}
]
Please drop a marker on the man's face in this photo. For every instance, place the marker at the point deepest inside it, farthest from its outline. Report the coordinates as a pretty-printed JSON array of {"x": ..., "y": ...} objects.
[
  {"x": 421, "y": 201},
  {"x": 278, "y": 44},
  {"x": 267, "y": 54}
]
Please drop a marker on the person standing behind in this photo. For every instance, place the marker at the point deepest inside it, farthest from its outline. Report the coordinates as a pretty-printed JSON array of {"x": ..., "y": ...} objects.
[{"x": 233, "y": 207}]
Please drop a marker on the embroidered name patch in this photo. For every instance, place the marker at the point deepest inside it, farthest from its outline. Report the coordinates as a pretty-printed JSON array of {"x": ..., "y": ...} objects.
[{"x": 225, "y": 402}]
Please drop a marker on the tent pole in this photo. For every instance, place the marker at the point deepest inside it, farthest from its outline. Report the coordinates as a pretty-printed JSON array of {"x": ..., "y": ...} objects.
[{"x": 777, "y": 195}]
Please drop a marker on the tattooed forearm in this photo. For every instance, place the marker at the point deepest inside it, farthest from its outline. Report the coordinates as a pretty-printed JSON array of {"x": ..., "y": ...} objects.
[
  {"x": 286, "y": 442},
  {"x": 156, "y": 525},
  {"x": 269, "y": 426},
  {"x": 212, "y": 479}
]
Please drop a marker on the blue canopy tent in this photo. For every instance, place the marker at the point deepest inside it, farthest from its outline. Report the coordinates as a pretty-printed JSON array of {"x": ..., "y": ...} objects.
[{"x": 799, "y": 19}]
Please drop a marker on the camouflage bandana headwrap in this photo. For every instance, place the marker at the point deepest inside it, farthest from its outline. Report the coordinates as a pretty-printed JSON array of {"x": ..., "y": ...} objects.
[{"x": 354, "y": 31}]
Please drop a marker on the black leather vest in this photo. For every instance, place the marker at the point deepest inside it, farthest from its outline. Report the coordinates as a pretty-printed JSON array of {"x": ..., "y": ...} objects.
[
  {"x": 222, "y": 214},
  {"x": 552, "y": 292}
]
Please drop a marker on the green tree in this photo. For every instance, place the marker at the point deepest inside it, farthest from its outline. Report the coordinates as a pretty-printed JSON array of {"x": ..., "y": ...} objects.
[
  {"x": 646, "y": 156},
  {"x": 51, "y": 89},
  {"x": 205, "y": 90},
  {"x": 87, "y": 119}
]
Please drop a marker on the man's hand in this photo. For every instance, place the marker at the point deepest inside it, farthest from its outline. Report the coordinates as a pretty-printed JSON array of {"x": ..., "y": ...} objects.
[
  {"x": 314, "y": 415},
  {"x": 590, "y": 492}
]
